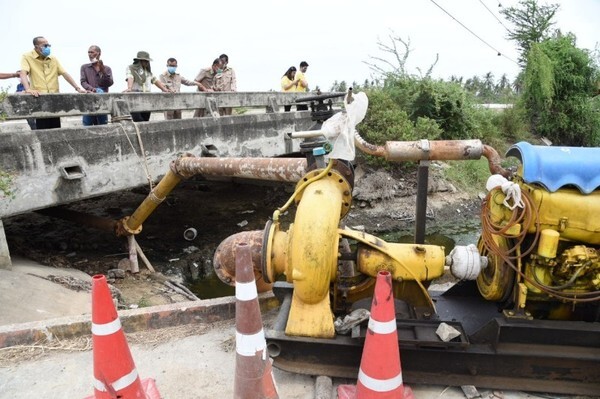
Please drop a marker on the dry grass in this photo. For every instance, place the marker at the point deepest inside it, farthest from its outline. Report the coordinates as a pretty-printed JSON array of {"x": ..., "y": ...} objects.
[{"x": 12, "y": 355}]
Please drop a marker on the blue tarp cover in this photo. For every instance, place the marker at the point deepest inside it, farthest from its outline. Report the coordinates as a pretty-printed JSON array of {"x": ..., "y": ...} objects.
[{"x": 556, "y": 167}]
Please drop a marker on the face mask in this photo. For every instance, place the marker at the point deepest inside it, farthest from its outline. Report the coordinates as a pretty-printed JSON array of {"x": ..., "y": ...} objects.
[
  {"x": 219, "y": 70},
  {"x": 171, "y": 69},
  {"x": 45, "y": 51}
]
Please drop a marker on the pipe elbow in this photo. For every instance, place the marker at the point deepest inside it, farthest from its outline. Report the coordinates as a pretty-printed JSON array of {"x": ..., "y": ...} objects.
[{"x": 494, "y": 162}]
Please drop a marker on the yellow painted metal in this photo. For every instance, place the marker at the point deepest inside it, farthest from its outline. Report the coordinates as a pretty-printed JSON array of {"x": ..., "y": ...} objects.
[
  {"x": 495, "y": 281},
  {"x": 312, "y": 258},
  {"x": 548, "y": 244},
  {"x": 424, "y": 262},
  {"x": 574, "y": 215},
  {"x": 379, "y": 245},
  {"x": 133, "y": 224}
]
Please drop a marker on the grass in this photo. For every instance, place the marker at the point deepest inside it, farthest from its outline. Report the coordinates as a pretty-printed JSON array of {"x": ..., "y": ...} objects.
[
  {"x": 143, "y": 302},
  {"x": 469, "y": 176}
]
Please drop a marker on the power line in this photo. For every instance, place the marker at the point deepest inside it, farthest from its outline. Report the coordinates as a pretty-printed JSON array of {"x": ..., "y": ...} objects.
[
  {"x": 473, "y": 33},
  {"x": 494, "y": 15}
]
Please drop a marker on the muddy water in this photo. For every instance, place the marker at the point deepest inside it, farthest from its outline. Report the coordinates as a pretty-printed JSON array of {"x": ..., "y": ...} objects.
[{"x": 211, "y": 287}]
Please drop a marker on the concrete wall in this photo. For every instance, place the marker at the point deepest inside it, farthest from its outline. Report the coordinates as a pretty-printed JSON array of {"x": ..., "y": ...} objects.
[{"x": 58, "y": 166}]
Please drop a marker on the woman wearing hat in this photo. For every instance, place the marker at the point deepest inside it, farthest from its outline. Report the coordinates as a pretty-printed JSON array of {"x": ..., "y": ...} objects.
[{"x": 140, "y": 80}]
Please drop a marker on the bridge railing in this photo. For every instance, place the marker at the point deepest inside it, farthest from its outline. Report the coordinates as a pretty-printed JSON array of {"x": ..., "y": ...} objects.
[{"x": 20, "y": 106}]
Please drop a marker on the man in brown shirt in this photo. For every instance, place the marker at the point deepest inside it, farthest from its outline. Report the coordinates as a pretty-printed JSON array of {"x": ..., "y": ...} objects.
[
  {"x": 225, "y": 81},
  {"x": 173, "y": 81},
  {"x": 206, "y": 80}
]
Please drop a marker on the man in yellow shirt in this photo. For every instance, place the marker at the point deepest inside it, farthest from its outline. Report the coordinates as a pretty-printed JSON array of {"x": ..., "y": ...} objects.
[
  {"x": 302, "y": 84},
  {"x": 42, "y": 70}
]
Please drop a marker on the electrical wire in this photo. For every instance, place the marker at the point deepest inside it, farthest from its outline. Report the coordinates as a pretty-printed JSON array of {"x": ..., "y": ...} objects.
[
  {"x": 474, "y": 34},
  {"x": 494, "y": 15}
]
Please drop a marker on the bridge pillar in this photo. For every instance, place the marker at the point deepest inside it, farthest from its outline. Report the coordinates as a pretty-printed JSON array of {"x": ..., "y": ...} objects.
[{"x": 5, "y": 261}]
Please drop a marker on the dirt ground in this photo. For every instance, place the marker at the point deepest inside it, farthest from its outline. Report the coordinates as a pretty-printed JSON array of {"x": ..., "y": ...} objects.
[{"x": 383, "y": 202}]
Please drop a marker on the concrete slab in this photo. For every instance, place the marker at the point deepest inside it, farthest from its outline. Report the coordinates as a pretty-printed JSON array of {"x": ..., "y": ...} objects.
[{"x": 26, "y": 296}]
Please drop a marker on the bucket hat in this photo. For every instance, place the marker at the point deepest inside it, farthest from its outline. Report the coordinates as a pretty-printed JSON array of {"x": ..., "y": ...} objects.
[{"x": 143, "y": 55}]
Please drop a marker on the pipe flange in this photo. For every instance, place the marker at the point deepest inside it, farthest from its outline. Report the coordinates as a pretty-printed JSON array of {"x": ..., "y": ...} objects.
[
  {"x": 267, "y": 248},
  {"x": 124, "y": 230}
]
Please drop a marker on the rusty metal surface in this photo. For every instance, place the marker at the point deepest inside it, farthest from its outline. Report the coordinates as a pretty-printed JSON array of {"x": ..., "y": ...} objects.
[
  {"x": 494, "y": 161},
  {"x": 271, "y": 169},
  {"x": 443, "y": 150},
  {"x": 225, "y": 258}
]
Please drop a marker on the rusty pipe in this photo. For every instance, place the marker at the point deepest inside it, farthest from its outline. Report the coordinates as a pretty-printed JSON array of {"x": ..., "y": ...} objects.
[
  {"x": 272, "y": 169},
  {"x": 224, "y": 260},
  {"x": 433, "y": 150},
  {"x": 440, "y": 150},
  {"x": 85, "y": 219},
  {"x": 494, "y": 161}
]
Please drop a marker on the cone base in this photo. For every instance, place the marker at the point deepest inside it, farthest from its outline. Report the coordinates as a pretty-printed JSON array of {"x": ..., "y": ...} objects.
[
  {"x": 149, "y": 387},
  {"x": 349, "y": 392}
]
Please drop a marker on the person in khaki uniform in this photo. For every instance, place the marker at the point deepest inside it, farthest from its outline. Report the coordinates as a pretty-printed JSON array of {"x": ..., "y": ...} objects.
[
  {"x": 206, "y": 80},
  {"x": 225, "y": 81},
  {"x": 173, "y": 81}
]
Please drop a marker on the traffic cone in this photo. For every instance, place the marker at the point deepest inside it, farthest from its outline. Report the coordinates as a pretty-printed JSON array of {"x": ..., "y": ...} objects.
[
  {"x": 253, "y": 371},
  {"x": 115, "y": 375},
  {"x": 380, "y": 374}
]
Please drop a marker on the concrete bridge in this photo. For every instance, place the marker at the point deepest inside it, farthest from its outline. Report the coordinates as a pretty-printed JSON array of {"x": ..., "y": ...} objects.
[{"x": 47, "y": 168}]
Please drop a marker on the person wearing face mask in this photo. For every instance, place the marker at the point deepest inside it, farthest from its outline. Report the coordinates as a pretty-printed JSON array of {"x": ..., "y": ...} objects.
[
  {"x": 173, "y": 81},
  {"x": 140, "y": 79},
  {"x": 95, "y": 78},
  {"x": 39, "y": 74},
  {"x": 225, "y": 81},
  {"x": 206, "y": 78}
]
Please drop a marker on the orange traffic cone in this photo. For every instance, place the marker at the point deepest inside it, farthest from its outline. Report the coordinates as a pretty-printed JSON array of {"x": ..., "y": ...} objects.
[
  {"x": 253, "y": 370},
  {"x": 115, "y": 375},
  {"x": 380, "y": 374}
]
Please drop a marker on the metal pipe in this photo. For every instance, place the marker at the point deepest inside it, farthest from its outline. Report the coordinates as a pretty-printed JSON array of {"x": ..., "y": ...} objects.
[
  {"x": 273, "y": 169},
  {"x": 443, "y": 150},
  {"x": 307, "y": 134},
  {"x": 80, "y": 217},
  {"x": 130, "y": 225},
  {"x": 494, "y": 161},
  {"x": 421, "y": 210},
  {"x": 284, "y": 312},
  {"x": 440, "y": 150}
]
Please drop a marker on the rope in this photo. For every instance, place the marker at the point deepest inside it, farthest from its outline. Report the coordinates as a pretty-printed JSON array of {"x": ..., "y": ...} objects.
[
  {"x": 141, "y": 143},
  {"x": 300, "y": 188},
  {"x": 526, "y": 217}
]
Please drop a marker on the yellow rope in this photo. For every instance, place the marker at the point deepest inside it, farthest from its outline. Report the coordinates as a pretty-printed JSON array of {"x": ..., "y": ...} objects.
[{"x": 300, "y": 188}]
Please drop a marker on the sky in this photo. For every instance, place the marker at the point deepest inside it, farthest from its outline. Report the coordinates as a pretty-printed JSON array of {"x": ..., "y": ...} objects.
[{"x": 263, "y": 38}]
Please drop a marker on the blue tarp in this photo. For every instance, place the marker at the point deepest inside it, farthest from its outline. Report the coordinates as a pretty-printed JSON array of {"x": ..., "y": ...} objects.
[{"x": 556, "y": 167}]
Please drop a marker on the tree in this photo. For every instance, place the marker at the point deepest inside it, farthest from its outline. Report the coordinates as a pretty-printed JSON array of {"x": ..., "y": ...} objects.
[
  {"x": 532, "y": 24},
  {"x": 341, "y": 86},
  {"x": 558, "y": 86}
]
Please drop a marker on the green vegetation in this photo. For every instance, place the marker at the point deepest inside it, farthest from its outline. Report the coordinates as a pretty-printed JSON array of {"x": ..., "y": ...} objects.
[
  {"x": 143, "y": 302},
  {"x": 554, "y": 96}
]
